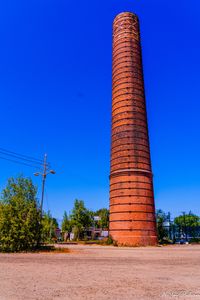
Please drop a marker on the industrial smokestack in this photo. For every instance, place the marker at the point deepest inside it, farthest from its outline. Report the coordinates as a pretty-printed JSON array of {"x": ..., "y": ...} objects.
[{"x": 132, "y": 210}]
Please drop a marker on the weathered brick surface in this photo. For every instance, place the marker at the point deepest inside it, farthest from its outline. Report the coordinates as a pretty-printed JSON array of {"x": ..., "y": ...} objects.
[
  {"x": 129, "y": 208},
  {"x": 132, "y": 211}
]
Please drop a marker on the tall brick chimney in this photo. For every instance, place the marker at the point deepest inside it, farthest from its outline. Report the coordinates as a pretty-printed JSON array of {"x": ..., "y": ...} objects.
[{"x": 132, "y": 210}]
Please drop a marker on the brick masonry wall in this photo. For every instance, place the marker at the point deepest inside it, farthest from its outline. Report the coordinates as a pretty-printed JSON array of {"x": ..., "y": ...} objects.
[{"x": 132, "y": 211}]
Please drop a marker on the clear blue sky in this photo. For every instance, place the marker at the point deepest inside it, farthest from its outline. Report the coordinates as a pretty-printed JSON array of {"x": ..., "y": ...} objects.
[{"x": 55, "y": 90}]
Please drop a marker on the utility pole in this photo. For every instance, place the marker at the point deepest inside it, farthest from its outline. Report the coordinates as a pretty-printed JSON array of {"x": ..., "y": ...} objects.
[{"x": 44, "y": 174}]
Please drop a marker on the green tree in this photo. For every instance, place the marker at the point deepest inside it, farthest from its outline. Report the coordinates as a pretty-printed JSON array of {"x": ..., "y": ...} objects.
[
  {"x": 19, "y": 216},
  {"x": 80, "y": 218},
  {"x": 49, "y": 225},
  {"x": 66, "y": 224},
  {"x": 103, "y": 213},
  {"x": 161, "y": 218},
  {"x": 188, "y": 222}
]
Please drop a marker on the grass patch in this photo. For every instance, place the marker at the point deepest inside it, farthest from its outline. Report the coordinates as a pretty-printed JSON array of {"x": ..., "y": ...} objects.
[{"x": 53, "y": 249}]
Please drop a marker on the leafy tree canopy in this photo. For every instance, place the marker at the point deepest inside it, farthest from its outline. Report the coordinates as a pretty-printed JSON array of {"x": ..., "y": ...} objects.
[
  {"x": 161, "y": 218},
  {"x": 103, "y": 213},
  {"x": 49, "y": 225},
  {"x": 19, "y": 216},
  {"x": 189, "y": 220},
  {"x": 66, "y": 223},
  {"x": 80, "y": 217},
  {"x": 80, "y": 214}
]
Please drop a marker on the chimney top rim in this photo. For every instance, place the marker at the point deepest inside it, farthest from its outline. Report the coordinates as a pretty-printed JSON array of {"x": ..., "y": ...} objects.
[{"x": 125, "y": 13}]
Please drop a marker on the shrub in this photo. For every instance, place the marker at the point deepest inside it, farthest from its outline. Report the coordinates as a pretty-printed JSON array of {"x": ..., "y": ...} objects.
[{"x": 19, "y": 216}]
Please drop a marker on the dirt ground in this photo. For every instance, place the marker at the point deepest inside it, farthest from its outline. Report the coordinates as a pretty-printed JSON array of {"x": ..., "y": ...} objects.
[{"x": 103, "y": 272}]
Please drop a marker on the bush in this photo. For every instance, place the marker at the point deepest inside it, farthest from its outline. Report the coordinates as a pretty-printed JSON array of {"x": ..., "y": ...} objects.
[
  {"x": 48, "y": 227},
  {"x": 195, "y": 240},
  {"x": 19, "y": 216},
  {"x": 165, "y": 241},
  {"x": 109, "y": 241}
]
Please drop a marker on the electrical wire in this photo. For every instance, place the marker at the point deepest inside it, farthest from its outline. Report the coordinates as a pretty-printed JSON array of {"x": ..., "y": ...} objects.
[
  {"x": 46, "y": 196},
  {"x": 22, "y": 156},
  {"x": 19, "y": 162},
  {"x": 22, "y": 159}
]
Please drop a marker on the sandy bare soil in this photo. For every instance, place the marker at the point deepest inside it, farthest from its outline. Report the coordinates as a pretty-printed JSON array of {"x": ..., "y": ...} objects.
[{"x": 97, "y": 272}]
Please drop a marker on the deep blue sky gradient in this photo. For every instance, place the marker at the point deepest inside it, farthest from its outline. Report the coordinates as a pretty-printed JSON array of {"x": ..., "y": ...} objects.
[{"x": 55, "y": 90}]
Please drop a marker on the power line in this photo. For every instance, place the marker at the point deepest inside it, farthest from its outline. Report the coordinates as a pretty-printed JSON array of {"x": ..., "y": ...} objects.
[
  {"x": 21, "y": 158},
  {"x": 46, "y": 196},
  {"x": 22, "y": 155},
  {"x": 19, "y": 162}
]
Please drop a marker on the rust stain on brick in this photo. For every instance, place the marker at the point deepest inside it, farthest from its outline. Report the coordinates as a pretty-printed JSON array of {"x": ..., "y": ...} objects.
[{"x": 132, "y": 210}]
